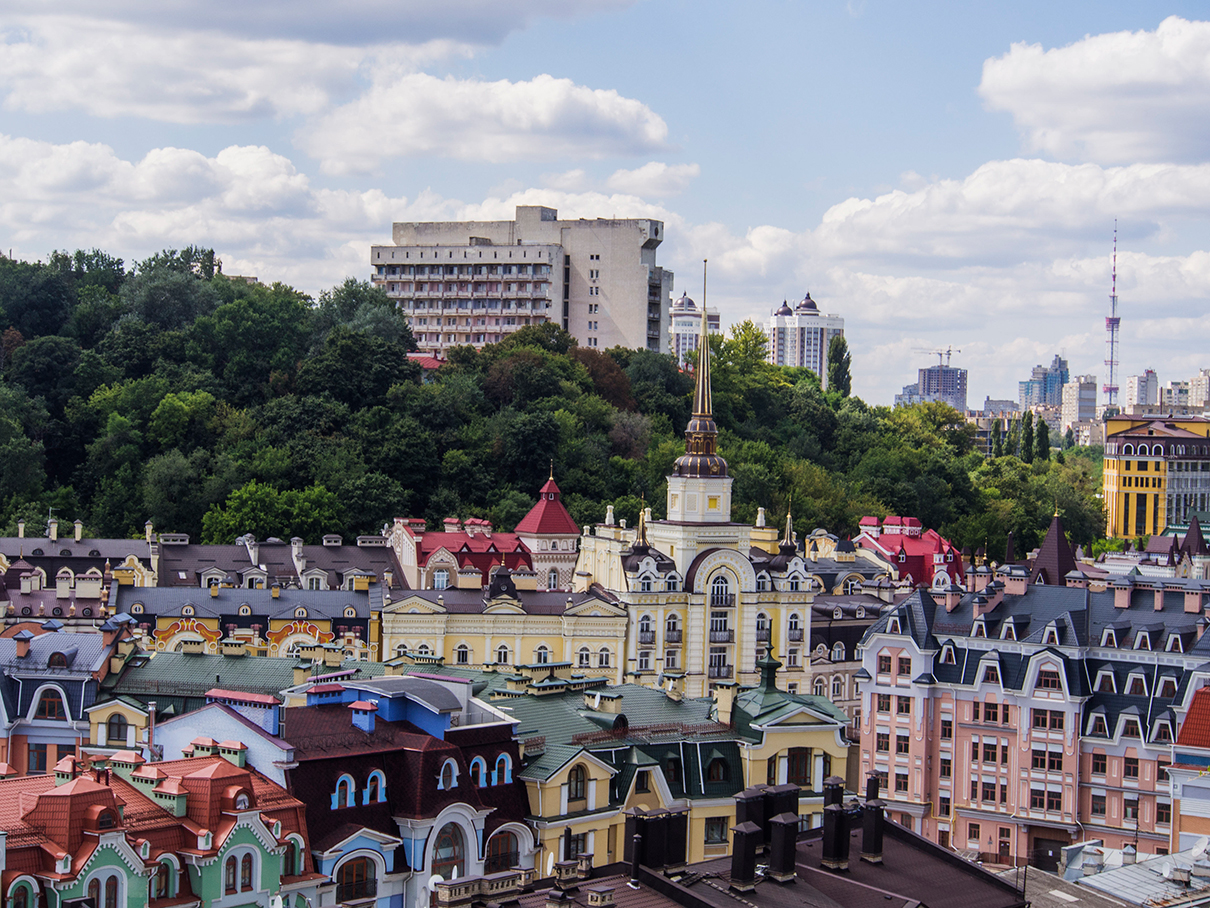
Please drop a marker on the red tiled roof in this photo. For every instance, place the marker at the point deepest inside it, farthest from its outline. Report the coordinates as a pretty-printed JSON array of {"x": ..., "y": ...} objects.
[
  {"x": 1195, "y": 730},
  {"x": 548, "y": 515},
  {"x": 220, "y": 693},
  {"x": 481, "y": 550}
]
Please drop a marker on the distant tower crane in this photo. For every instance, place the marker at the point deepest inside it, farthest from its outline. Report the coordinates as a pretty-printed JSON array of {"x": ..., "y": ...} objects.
[{"x": 938, "y": 353}]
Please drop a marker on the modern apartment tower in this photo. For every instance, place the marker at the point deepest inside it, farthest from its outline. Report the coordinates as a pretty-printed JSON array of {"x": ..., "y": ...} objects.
[
  {"x": 473, "y": 282},
  {"x": 1045, "y": 385},
  {"x": 685, "y": 328},
  {"x": 800, "y": 336}
]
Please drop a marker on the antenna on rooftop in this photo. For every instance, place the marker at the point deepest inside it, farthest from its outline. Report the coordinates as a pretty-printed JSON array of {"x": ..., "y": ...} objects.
[{"x": 1112, "y": 324}]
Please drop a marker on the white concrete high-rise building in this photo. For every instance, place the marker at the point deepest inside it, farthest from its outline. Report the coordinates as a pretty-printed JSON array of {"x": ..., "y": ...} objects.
[
  {"x": 473, "y": 282},
  {"x": 1199, "y": 389},
  {"x": 1142, "y": 390},
  {"x": 800, "y": 337},
  {"x": 685, "y": 327},
  {"x": 1079, "y": 401},
  {"x": 1174, "y": 395}
]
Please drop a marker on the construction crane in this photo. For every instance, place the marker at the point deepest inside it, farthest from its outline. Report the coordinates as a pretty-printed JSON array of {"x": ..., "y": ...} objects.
[{"x": 946, "y": 353}]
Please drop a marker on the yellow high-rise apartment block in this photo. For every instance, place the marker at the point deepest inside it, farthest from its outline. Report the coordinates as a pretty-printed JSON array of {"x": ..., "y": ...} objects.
[{"x": 1157, "y": 472}]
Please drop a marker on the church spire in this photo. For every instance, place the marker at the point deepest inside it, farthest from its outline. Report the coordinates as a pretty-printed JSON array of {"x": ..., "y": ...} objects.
[
  {"x": 789, "y": 524},
  {"x": 701, "y": 435},
  {"x": 703, "y": 399}
]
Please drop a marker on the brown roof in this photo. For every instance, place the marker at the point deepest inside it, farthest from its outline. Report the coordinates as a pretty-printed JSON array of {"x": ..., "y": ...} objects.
[{"x": 1055, "y": 558}]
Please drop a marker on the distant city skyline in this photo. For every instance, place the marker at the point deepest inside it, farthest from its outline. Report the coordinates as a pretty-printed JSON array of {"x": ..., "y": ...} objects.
[{"x": 938, "y": 177}]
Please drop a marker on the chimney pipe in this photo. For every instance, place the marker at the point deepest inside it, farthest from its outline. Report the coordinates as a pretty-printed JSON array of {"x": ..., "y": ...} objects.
[
  {"x": 833, "y": 791},
  {"x": 79, "y": 525},
  {"x": 636, "y": 858},
  {"x": 783, "y": 847},
  {"x": 873, "y": 822},
  {"x": 835, "y": 838},
  {"x": 743, "y": 856}
]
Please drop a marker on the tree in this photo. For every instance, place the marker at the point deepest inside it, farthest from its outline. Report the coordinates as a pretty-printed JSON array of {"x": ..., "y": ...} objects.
[
  {"x": 1069, "y": 440},
  {"x": 839, "y": 361},
  {"x": 997, "y": 439},
  {"x": 1043, "y": 448},
  {"x": 1027, "y": 437}
]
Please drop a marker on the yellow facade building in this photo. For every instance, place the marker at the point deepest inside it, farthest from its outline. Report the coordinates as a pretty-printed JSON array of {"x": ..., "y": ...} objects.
[{"x": 1157, "y": 473}]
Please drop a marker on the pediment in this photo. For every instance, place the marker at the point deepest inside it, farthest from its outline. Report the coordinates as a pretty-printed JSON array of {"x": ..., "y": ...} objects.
[
  {"x": 414, "y": 603},
  {"x": 503, "y": 607},
  {"x": 588, "y": 606}
]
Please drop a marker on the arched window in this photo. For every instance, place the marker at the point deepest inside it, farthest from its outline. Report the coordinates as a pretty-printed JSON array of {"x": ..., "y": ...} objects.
[
  {"x": 111, "y": 892},
  {"x": 449, "y": 776},
  {"x": 245, "y": 873},
  {"x": 229, "y": 873},
  {"x": 672, "y": 624},
  {"x": 502, "y": 655},
  {"x": 577, "y": 784},
  {"x": 795, "y": 584},
  {"x": 645, "y": 584},
  {"x": 116, "y": 729},
  {"x": 441, "y": 579},
  {"x": 462, "y": 654},
  {"x": 375, "y": 788},
  {"x": 645, "y": 624},
  {"x": 852, "y": 587},
  {"x": 603, "y": 657},
  {"x": 449, "y": 853},
  {"x": 356, "y": 879},
  {"x": 762, "y": 583},
  {"x": 820, "y": 687},
  {"x": 762, "y": 622},
  {"x": 21, "y": 896},
  {"x": 94, "y": 892},
  {"x": 793, "y": 623},
  {"x": 57, "y": 660},
  {"x": 245, "y": 610},
  {"x": 423, "y": 650},
  {"x": 50, "y": 705},
  {"x": 504, "y": 769},
  {"x": 720, "y": 592},
  {"x": 242, "y": 801},
  {"x": 552, "y": 579},
  {"x": 837, "y": 613},
  {"x": 106, "y": 820},
  {"x": 479, "y": 772},
  {"x": 344, "y": 796},
  {"x": 838, "y": 652},
  {"x": 503, "y": 852},
  {"x": 673, "y": 584},
  {"x": 838, "y": 687},
  {"x": 162, "y": 883},
  {"x": 542, "y": 655},
  {"x": 584, "y": 657},
  {"x": 717, "y": 771}
]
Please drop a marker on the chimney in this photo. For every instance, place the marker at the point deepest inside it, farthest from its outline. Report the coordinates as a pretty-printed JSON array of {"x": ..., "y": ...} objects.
[
  {"x": 835, "y": 837},
  {"x": 873, "y": 821},
  {"x": 743, "y": 856},
  {"x": 79, "y": 530},
  {"x": 1159, "y": 597},
  {"x": 1122, "y": 590},
  {"x": 23, "y": 639},
  {"x": 214, "y": 590},
  {"x": 676, "y": 846},
  {"x": 148, "y": 530},
  {"x": 750, "y": 807},
  {"x": 275, "y": 591},
  {"x": 833, "y": 790},
  {"x": 21, "y": 529},
  {"x": 636, "y": 859},
  {"x": 724, "y": 699},
  {"x": 1193, "y": 599},
  {"x": 363, "y": 715},
  {"x": 783, "y": 847},
  {"x": 1129, "y": 854},
  {"x": 600, "y": 897},
  {"x": 953, "y": 595},
  {"x": 52, "y": 529},
  {"x": 655, "y": 834}
]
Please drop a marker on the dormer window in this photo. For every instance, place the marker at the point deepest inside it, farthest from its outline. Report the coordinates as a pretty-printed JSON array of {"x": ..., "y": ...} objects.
[
  {"x": 1049, "y": 679},
  {"x": 1051, "y": 636},
  {"x": 350, "y": 612},
  {"x": 861, "y": 611},
  {"x": 991, "y": 675},
  {"x": 187, "y": 610},
  {"x": 1143, "y": 641},
  {"x": 762, "y": 583},
  {"x": 1167, "y": 688},
  {"x": 1098, "y": 727},
  {"x": 1137, "y": 686},
  {"x": 1163, "y": 732},
  {"x": 837, "y": 614},
  {"x": 1174, "y": 644},
  {"x": 57, "y": 660},
  {"x": 979, "y": 630},
  {"x": 902, "y": 557},
  {"x": 245, "y": 610},
  {"x": 1106, "y": 683},
  {"x": 1109, "y": 637},
  {"x": 50, "y": 706},
  {"x": 947, "y": 655},
  {"x": 645, "y": 585},
  {"x": 1130, "y": 728},
  {"x": 673, "y": 584},
  {"x": 794, "y": 584},
  {"x": 300, "y": 612},
  {"x": 241, "y": 801},
  {"x": 893, "y": 625},
  {"x": 106, "y": 820}
]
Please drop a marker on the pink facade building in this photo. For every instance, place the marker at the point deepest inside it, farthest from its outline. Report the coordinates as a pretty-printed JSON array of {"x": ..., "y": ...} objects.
[{"x": 1027, "y": 710}]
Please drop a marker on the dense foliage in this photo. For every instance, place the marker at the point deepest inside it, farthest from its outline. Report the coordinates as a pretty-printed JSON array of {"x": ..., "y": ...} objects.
[{"x": 213, "y": 407}]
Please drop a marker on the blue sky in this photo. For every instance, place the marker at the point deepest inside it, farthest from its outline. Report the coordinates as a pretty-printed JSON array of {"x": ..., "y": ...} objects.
[{"x": 940, "y": 174}]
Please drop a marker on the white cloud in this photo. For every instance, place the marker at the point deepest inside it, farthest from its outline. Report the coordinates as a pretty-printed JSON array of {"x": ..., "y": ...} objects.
[
  {"x": 1113, "y": 98},
  {"x": 543, "y": 118},
  {"x": 654, "y": 179}
]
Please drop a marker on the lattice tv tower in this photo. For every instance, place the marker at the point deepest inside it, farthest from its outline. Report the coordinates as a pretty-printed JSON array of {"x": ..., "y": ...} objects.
[{"x": 1112, "y": 324}]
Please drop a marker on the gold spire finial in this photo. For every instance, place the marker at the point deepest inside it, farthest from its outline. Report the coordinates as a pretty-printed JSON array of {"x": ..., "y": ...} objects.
[
  {"x": 643, "y": 519},
  {"x": 789, "y": 521},
  {"x": 703, "y": 401},
  {"x": 552, "y": 469}
]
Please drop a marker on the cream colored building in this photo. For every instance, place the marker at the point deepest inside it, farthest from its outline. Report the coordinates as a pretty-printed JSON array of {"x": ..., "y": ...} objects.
[
  {"x": 706, "y": 597},
  {"x": 473, "y": 282}
]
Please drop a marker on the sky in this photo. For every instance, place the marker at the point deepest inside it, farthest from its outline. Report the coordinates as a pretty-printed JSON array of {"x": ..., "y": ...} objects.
[{"x": 944, "y": 175}]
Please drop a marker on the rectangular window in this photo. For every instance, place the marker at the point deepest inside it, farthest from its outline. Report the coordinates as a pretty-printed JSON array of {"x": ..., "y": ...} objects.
[
  {"x": 905, "y": 665},
  {"x": 901, "y": 744},
  {"x": 947, "y": 729},
  {"x": 884, "y": 703},
  {"x": 1004, "y": 717},
  {"x": 1039, "y": 760},
  {"x": 946, "y": 768},
  {"x": 642, "y": 781},
  {"x": 991, "y": 712},
  {"x": 903, "y": 706},
  {"x": 974, "y": 751},
  {"x": 1056, "y": 720},
  {"x": 1003, "y": 793},
  {"x": 1130, "y": 809},
  {"x": 1054, "y": 761},
  {"x": 972, "y": 832},
  {"x": 1037, "y": 799},
  {"x": 943, "y": 806},
  {"x": 37, "y": 758},
  {"x": 989, "y": 751},
  {"x": 975, "y": 711},
  {"x": 884, "y": 665},
  {"x": 1049, "y": 680},
  {"x": 1163, "y": 812},
  {"x": 1161, "y": 770},
  {"x": 1003, "y": 754},
  {"x": 1130, "y": 768},
  {"x": 901, "y": 781},
  {"x": 716, "y": 830},
  {"x": 1054, "y": 800},
  {"x": 1040, "y": 718},
  {"x": 989, "y": 792},
  {"x": 1098, "y": 805},
  {"x": 974, "y": 789},
  {"x": 1098, "y": 764}
]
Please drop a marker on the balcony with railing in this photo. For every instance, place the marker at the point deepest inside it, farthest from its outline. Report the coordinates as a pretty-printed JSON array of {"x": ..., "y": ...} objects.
[
  {"x": 646, "y": 638},
  {"x": 723, "y": 636},
  {"x": 720, "y": 671},
  {"x": 356, "y": 891},
  {"x": 722, "y": 600},
  {"x": 762, "y": 635},
  {"x": 795, "y": 634},
  {"x": 673, "y": 637}
]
